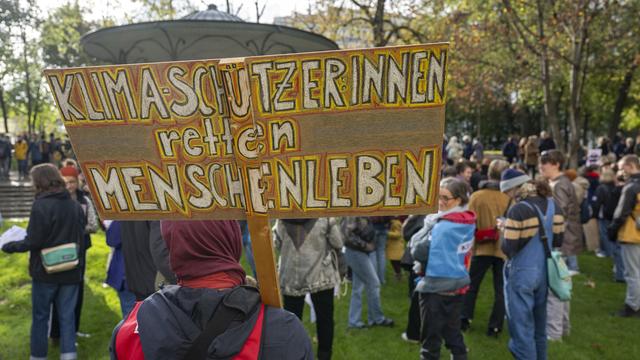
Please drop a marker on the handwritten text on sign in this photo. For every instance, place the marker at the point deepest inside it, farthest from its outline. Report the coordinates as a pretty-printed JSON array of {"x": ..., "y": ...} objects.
[{"x": 339, "y": 133}]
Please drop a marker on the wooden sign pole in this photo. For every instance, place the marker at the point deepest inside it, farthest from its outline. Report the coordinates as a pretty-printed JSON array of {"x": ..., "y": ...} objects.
[{"x": 265, "y": 263}]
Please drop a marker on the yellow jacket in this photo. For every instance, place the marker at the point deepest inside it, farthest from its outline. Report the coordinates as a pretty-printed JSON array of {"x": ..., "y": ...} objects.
[{"x": 21, "y": 150}]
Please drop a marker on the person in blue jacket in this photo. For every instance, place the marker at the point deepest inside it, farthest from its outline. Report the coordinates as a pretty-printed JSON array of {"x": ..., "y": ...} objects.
[
  {"x": 115, "y": 273},
  {"x": 442, "y": 250}
]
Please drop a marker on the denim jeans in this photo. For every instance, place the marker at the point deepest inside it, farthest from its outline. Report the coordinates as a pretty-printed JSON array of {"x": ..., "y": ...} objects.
[
  {"x": 246, "y": 243},
  {"x": 631, "y": 259},
  {"x": 43, "y": 295},
  {"x": 23, "y": 168},
  {"x": 381, "y": 250},
  {"x": 127, "y": 302},
  {"x": 572, "y": 262},
  {"x": 526, "y": 306},
  {"x": 364, "y": 276},
  {"x": 617, "y": 261},
  {"x": 606, "y": 246}
]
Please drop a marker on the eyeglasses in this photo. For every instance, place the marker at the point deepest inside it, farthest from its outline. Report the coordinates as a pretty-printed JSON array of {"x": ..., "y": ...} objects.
[{"x": 445, "y": 198}]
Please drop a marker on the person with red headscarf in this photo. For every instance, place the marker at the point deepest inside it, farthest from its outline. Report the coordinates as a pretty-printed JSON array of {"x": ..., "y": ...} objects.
[{"x": 211, "y": 313}]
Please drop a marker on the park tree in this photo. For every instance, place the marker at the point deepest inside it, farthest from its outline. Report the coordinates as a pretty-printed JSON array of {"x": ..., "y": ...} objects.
[
  {"x": 61, "y": 33},
  {"x": 9, "y": 16}
]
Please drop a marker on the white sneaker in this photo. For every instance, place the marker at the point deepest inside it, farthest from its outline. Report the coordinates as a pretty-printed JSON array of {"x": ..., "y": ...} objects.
[
  {"x": 405, "y": 338},
  {"x": 600, "y": 254},
  {"x": 573, "y": 273}
]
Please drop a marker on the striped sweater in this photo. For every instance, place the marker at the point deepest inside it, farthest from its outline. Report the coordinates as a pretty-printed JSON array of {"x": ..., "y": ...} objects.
[{"x": 522, "y": 224}]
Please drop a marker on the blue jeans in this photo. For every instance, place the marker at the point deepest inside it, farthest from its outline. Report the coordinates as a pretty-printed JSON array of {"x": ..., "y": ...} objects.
[
  {"x": 572, "y": 262},
  {"x": 381, "y": 250},
  {"x": 364, "y": 276},
  {"x": 617, "y": 261},
  {"x": 606, "y": 246},
  {"x": 23, "y": 168},
  {"x": 246, "y": 243},
  {"x": 127, "y": 302},
  {"x": 43, "y": 295},
  {"x": 525, "y": 295}
]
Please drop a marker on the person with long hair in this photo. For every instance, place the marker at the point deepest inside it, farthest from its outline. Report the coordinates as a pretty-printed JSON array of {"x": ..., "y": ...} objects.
[
  {"x": 525, "y": 272},
  {"x": 55, "y": 220},
  {"x": 442, "y": 251}
]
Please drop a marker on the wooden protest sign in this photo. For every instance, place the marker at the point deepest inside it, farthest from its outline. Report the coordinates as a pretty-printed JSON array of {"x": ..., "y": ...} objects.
[{"x": 337, "y": 133}]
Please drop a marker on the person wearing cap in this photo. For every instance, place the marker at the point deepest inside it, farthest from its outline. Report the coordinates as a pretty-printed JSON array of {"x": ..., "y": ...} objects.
[
  {"x": 70, "y": 175},
  {"x": 184, "y": 321},
  {"x": 525, "y": 272}
]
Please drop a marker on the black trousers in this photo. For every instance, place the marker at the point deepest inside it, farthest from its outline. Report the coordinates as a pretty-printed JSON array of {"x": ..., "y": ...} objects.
[
  {"x": 323, "y": 306},
  {"x": 479, "y": 266},
  {"x": 441, "y": 320},
  {"x": 413, "y": 318}
]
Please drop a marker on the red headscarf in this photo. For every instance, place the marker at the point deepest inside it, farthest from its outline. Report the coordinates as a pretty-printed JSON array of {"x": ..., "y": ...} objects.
[{"x": 205, "y": 253}]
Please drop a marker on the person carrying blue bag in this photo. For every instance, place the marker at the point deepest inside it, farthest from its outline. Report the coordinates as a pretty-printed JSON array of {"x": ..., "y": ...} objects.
[{"x": 525, "y": 273}]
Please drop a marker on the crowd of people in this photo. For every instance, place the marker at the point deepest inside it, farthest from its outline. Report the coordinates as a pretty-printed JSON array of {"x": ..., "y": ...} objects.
[
  {"x": 184, "y": 294},
  {"x": 31, "y": 150}
]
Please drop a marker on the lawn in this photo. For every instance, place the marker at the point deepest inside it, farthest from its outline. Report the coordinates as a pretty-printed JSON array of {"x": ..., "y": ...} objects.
[{"x": 595, "y": 334}]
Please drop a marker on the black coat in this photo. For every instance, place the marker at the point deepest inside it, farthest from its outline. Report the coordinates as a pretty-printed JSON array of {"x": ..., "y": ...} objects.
[
  {"x": 140, "y": 269},
  {"x": 606, "y": 200},
  {"x": 55, "y": 219}
]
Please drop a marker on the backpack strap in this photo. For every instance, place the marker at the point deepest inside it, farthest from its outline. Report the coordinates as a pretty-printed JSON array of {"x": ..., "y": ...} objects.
[
  {"x": 126, "y": 343},
  {"x": 222, "y": 317},
  {"x": 545, "y": 223}
]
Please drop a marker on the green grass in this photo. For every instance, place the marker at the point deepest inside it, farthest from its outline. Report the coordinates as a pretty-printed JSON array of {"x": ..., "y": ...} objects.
[{"x": 595, "y": 334}]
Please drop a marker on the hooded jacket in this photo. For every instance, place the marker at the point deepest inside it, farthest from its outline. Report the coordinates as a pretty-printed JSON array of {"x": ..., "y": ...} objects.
[
  {"x": 445, "y": 247},
  {"x": 170, "y": 320}
]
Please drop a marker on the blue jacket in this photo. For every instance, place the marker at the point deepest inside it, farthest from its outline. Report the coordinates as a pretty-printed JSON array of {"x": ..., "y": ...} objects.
[
  {"x": 115, "y": 272},
  {"x": 446, "y": 252}
]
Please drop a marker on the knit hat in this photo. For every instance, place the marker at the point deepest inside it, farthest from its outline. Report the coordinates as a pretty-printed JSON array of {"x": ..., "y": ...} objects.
[
  {"x": 512, "y": 178},
  {"x": 69, "y": 171}
]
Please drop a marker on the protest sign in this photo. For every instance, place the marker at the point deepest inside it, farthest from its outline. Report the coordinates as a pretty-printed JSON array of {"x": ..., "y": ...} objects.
[{"x": 337, "y": 133}]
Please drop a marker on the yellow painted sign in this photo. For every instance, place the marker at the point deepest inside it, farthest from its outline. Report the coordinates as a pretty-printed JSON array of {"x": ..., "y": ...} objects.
[{"x": 302, "y": 135}]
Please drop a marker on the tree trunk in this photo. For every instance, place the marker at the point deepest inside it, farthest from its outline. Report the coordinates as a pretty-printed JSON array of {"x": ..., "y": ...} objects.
[
  {"x": 378, "y": 24},
  {"x": 3, "y": 107},
  {"x": 623, "y": 94},
  {"x": 550, "y": 105},
  {"x": 27, "y": 79}
]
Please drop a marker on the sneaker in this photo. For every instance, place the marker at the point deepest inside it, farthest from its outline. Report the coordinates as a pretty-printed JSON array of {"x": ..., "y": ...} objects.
[
  {"x": 83, "y": 335},
  {"x": 386, "y": 322},
  {"x": 627, "y": 312},
  {"x": 493, "y": 332},
  {"x": 600, "y": 254},
  {"x": 574, "y": 272},
  {"x": 406, "y": 338},
  {"x": 465, "y": 324},
  {"x": 357, "y": 326}
]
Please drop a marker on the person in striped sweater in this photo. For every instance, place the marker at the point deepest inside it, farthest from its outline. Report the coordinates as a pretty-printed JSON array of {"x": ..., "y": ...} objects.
[{"x": 525, "y": 271}]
